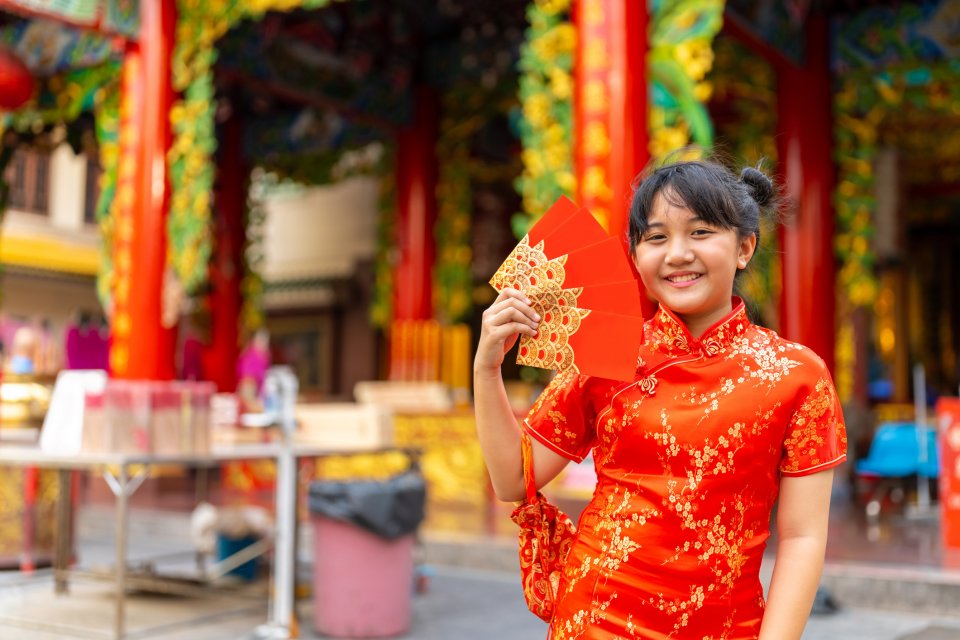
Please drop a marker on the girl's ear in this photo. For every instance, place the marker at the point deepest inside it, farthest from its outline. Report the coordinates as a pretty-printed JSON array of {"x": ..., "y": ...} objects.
[
  {"x": 634, "y": 258},
  {"x": 745, "y": 250}
]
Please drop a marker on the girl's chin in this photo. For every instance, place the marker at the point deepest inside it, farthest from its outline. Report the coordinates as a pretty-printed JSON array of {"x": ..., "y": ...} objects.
[
  {"x": 676, "y": 299},
  {"x": 683, "y": 305}
]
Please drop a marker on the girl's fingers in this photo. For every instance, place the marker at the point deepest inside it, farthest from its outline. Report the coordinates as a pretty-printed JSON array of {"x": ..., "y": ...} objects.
[
  {"x": 516, "y": 294},
  {"x": 509, "y": 317},
  {"x": 504, "y": 331},
  {"x": 497, "y": 339},
  {"x": 511, "y": 302},
  {"x": 512, "y": 315}
]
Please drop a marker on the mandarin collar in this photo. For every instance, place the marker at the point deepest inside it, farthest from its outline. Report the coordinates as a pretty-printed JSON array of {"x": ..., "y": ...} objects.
[{"x": 668, "y": 333}]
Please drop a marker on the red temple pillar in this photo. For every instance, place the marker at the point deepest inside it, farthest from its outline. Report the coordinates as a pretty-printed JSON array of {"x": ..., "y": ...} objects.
[
  {"x": 807, "y": 305},
  {"x": 610, "y": 107},
  {"x": 141, "y": 346},
  {"x": 226, "y": 267},
  {"x": 416, "y": 175}
]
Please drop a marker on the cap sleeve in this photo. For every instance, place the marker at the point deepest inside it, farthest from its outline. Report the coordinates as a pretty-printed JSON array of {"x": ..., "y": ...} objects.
[
  {"x": 561, "y": 417},
  {"x": 816, "y": 438}
]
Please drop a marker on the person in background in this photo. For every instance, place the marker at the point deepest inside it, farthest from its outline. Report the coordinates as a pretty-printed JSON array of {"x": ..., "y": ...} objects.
[
  {"x": 86, "y": 343},
  {"x": 23, "y": 352},
  {"x": 252, "y": 368}
]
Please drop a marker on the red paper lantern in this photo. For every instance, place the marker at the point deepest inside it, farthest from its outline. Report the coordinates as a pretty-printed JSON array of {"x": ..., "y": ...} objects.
[{"x": 16, "y": 81}]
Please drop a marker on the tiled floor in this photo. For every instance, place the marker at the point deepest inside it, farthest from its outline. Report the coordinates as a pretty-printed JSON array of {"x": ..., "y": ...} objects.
[
  {"x": 462, "y": 604},
  {"x": 910, "y": 537}
]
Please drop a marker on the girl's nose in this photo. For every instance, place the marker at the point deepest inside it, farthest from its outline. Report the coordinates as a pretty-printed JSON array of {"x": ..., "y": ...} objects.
[{"x": 678, "y": 252}]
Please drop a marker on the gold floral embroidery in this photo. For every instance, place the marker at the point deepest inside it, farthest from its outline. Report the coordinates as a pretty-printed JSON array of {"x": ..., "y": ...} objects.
[
  {"x": 770, "y": 362},
  {"x": 666, "y": 333},
  {"x": 578, "y": 623},
  {"x": 717, "y": 542},
  {"x": 615, "y": 520},
  {"x": 649, "y": 385},
  {"x": 560, "y": 432},
  {"x": 558, "y": 385},
  {"x": 805, "y": 443},
  {"x": 712, "y": 346}
]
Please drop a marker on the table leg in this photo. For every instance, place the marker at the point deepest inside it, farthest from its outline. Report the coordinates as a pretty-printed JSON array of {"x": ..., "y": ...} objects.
[
  {"x": 201, "y": 494},
  {"x": 202, "y": 485},
  {"x": 121, "y": 553},
  {"x": 63, "y": 534},
  {"x": 284, "y": 560}
]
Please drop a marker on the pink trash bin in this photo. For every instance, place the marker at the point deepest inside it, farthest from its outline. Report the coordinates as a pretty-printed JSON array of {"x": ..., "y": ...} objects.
[{"x": 362, "y": 583}]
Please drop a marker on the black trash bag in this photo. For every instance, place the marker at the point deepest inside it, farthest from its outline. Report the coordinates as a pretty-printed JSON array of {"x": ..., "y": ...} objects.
[
  {"x": 824, "y": 603},
  {"x": 388, "y": 508}
]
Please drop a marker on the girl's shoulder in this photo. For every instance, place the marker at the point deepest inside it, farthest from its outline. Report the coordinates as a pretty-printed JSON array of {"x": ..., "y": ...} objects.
[
  {"x": 570, "y": 390},
  {"x": 777, "y": 349},
  {"x": 571, "y": 381}
]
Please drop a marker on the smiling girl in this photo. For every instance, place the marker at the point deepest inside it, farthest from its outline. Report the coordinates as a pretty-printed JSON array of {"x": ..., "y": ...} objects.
[{"x": 722, "y": 418}]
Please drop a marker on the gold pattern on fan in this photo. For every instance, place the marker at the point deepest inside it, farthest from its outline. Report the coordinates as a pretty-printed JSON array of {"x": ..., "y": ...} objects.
[
  {"x": 528, "y": 269},
  {"x": 509, "y": 271},
  {"x": 560, "y": 319}
]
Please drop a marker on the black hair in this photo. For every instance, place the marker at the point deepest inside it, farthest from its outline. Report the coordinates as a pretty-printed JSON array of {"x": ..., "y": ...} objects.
[{"x": 708, "y": 188}]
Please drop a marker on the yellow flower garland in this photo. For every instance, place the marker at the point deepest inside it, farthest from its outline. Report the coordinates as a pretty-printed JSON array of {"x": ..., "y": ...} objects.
[
  {"x": 680, "y": 58},
  {"x": 546, "y": 97},
  {"x": 200, "y": 23}
]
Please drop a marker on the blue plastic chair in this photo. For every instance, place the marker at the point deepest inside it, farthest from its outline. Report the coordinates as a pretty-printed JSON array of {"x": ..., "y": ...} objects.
[
  {"x": 894, "y": 452},
  {"x": 895, "y": 455}
]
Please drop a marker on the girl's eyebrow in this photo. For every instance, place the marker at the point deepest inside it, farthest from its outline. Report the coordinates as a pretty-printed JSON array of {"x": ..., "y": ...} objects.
[{"x": 692, "y": 219}]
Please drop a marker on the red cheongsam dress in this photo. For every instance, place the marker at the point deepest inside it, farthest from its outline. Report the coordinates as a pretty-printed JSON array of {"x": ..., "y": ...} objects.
[{"x": 689, "y": 458}]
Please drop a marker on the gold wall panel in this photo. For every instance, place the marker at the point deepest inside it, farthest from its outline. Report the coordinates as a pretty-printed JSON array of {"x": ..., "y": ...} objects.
[
  {"x": 458, "y": 495},
  {"x": 12, "y": 491},
  {"x": 451, "y": 460}
]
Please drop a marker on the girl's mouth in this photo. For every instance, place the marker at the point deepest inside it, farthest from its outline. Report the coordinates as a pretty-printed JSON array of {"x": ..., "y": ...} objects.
[{"x": 683, "y": 279}]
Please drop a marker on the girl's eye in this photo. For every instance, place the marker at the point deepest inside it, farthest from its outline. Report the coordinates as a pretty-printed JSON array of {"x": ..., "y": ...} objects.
[
  {"x": 703, "y": 232},
  {"x": 655, "y": 237}
]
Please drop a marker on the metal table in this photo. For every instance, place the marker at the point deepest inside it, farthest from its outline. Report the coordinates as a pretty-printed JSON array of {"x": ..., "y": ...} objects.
[{"x": 124, "y": 473}]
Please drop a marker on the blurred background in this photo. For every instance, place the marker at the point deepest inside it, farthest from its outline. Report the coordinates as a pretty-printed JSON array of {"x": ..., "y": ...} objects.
[{"x": 199, "y": 191}]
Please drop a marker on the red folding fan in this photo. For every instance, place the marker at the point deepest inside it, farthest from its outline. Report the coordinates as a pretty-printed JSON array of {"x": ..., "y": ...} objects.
[{"x": 582, "y": 284}]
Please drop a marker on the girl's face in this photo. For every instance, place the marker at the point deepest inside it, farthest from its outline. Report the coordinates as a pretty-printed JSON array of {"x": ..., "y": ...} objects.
[{"x": 688, "y": 265}]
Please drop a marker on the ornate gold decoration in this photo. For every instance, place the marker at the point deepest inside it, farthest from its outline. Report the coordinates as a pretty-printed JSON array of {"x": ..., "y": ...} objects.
[
  {"x": 12, "y": 506},
  {"x": 451, "y": 460},
  {"x": 528, "y": 269},
  {"x": 550, "y": 348}
]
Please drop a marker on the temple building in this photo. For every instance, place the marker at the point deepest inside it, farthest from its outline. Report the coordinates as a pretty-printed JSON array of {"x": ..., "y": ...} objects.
[{"x": 348, "y": 174}]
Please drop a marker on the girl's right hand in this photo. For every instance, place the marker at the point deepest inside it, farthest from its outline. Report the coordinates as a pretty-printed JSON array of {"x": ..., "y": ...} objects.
[{"x": 503, "y": 322}]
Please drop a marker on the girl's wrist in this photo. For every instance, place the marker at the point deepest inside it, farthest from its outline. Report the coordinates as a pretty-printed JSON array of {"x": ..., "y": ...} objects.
[{"x": 486, "y": 372}]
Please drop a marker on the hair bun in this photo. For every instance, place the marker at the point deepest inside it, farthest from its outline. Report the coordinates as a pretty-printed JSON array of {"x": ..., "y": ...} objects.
[{"x": 761, "y": 187}]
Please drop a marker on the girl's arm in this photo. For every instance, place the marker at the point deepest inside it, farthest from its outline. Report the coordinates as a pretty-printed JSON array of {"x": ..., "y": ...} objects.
[
  {"x": 802, "y": 532},
  {"x": 497, "y": 428}
]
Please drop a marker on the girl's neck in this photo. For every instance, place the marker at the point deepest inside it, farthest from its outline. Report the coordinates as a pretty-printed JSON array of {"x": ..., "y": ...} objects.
[{"x": 697, "y": 324}]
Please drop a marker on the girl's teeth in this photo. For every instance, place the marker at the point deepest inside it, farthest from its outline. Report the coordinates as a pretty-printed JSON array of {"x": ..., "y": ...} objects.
[{"x": 687, "y": 278}]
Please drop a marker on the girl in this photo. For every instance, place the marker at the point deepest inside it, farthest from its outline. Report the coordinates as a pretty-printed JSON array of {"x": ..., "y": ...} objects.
[{"x": 722, "y": 418}]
